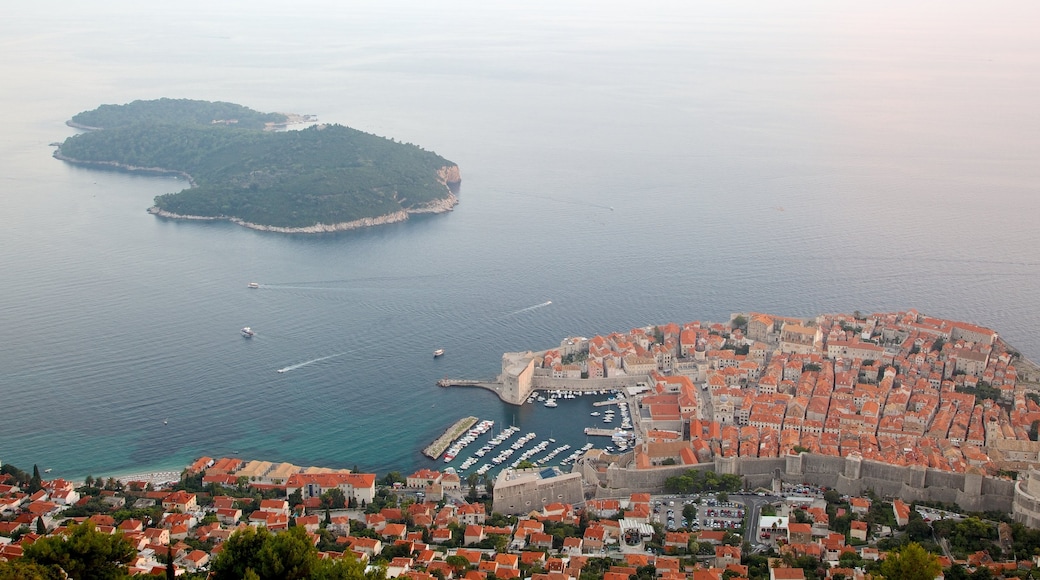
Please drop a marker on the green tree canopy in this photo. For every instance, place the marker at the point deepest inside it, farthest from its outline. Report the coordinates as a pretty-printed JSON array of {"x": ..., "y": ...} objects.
[
  {"x": 911, "y": 563},
  {"x": 84, "y": 553},
  {"x": 290, "y": 555},
  {"x": 26, "y": 570}
]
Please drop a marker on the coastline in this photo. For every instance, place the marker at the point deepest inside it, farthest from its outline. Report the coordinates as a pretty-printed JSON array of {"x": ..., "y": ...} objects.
[
  {"x": 122, "y": 166},
  {"x": 447, "y": 176}
]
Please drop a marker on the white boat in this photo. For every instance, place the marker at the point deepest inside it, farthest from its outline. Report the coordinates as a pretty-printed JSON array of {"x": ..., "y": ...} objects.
[
  {"x": 254, "y": 285},
  {"x": 438, "y": 352},
  {"x": 247, "y": 332},
  {"x": 594, "y": 414},
  {"x": 551, "y": 403}
]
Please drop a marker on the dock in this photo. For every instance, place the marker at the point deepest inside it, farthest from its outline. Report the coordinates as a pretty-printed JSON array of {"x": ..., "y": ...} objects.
[
  {"x": 594, "y": 432},
  {"x": 459, "y": 383},
  {"x": 610, "y": 402},
  {"x": 434, "y": 450}
]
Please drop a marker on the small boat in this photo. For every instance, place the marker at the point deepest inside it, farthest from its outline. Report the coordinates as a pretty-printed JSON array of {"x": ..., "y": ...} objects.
[
  {"x": 165, "y": 421},
  {"x": 438, "y": 352},
  {"x": 48, "y": 470},
  {"x": 550, "y": 402},
  {"x": 247, "y": 332},
  {"x": 594, "y": 414},
  {"x": 254, "y": 285}
]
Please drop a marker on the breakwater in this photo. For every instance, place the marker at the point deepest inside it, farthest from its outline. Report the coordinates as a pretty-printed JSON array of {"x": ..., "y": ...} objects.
[{"x": 434, "y": 450}]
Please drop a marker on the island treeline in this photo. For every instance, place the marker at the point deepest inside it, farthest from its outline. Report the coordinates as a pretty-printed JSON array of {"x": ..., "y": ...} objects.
[
  {"x": 177, "y": 112},
  {"x": 324, "y": 174}
]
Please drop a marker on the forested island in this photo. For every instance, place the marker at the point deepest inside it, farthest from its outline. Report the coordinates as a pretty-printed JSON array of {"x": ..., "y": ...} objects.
[{"x": 318, "y": 179}]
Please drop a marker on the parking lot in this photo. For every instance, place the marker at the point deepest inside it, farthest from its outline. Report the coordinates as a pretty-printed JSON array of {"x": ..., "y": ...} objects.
[{"x": 708, "y": 513}]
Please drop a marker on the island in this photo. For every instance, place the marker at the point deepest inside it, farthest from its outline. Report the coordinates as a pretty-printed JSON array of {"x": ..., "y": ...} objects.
[{"x": 242, "y": 166}]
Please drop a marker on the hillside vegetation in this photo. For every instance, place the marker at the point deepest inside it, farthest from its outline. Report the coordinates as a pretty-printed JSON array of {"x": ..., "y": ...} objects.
[{"x": 323, "y": 174}]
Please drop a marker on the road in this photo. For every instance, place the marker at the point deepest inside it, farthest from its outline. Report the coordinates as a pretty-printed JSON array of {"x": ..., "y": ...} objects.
[{"x": 754, "y": 505}]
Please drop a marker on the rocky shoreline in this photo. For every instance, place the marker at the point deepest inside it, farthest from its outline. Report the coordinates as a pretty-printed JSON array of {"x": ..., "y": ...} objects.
[
  {"x": 124, "y": 167},
  {"x": 448, "y": 176}
]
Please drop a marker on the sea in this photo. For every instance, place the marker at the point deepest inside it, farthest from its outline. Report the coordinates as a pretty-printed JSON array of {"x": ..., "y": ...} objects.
[{"x": 631, "y": 163}]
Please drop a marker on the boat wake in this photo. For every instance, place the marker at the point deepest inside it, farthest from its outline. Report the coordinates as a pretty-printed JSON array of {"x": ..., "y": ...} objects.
[
  {"x": 309, "y": 362},
  {"x": 529, "y": 308}
]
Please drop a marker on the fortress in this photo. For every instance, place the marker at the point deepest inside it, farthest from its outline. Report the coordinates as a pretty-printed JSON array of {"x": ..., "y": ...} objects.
[{"x": 852, "y": 475}]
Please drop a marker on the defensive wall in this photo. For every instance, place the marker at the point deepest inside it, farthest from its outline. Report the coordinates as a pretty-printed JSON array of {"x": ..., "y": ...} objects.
[
  {"x": 523, "y": 491},
  {"x": 851, "y": 475},
  {"x": 520, "y": 377}
]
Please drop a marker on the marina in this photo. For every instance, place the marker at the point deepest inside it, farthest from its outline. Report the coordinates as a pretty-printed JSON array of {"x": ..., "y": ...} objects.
[{"x": 509, "y": 449}]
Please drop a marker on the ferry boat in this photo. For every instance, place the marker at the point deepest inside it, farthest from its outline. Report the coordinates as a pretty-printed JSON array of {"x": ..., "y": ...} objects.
[
  {"x": 254, "y": 285},
  {"x": 247, "y": 332},
  {"x": 438, "y": 352}
]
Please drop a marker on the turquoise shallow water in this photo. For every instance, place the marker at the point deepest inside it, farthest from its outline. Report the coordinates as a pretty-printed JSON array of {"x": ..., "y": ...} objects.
[{"x": 673, "y": 164}]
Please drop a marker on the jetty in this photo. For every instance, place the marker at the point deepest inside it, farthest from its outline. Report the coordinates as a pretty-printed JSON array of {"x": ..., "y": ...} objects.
[
  {"x": 434, "y": 450},
  {"x": 609, "y": 402},
  {"x": 594, "y": 432}
]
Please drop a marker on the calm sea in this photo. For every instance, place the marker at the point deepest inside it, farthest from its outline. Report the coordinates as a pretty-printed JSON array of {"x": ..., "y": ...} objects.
[{"x": 634, "y": 165}]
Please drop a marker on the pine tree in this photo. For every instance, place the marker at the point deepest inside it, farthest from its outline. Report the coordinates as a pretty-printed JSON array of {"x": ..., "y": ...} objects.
[{"x": 36, "y": 483}]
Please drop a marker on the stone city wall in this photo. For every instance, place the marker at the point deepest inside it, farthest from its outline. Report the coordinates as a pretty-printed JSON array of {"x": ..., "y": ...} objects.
[{"x": 852, "y": 476}]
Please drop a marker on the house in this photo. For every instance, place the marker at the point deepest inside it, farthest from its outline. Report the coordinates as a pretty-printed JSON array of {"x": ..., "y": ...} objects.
[
  {"x": 394, "y": 531},
  {"x": 278, "y": 506},
  {"x": 195, "y": 560},
  {"x": 440, "y": 536},
  {"x": 473, "y": 535},
  {"x": 786, "y": 574},
  {"x": 858, "y": 531},
  {"x": 360, "y": 487},
  {"x": 229, "y": 516},
  {"x": 181, "y": 501},
  {"x": 859, "y": 505},
  {"x": 368, "y": 546},
  {"x": 902, "y": 512},
  {"x": 726, "y": 555},
  {"x": 422, "y": 478},
  {"x": 799, "y": 533},
  {"x": 471, "y": 513},
  {"x": 540, "y": 540},
  {"x": 310, "y": 523}
]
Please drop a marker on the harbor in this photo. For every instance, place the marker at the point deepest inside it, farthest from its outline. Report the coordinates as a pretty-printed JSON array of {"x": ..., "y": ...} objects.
[{"x": 487, "y": 447}]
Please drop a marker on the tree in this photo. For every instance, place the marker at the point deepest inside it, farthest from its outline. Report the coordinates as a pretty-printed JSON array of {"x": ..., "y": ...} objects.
[
  {"x": 739, "y": 321},
  {"x": 911, "y": 563},
  {"x": 36, "y": 483},
  {"x": 89, "y": 481},
  {"x": 288, "y": 555},
  {"x": 41, "y": 528},
  {"x": 24, "y": 570},
  {"x": 334, "y": 498},
  {"x": 457, "y": 563},
  {"x": 689, "y": 511},
  {"x": 84, "y": 553},
  {"x": 296, "y": 498},
  {"x": 171, "y": 570}
]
